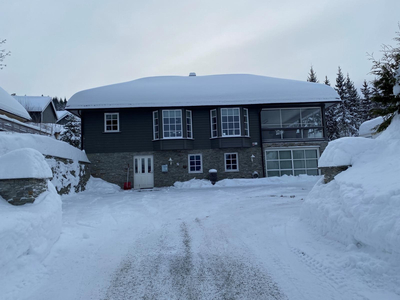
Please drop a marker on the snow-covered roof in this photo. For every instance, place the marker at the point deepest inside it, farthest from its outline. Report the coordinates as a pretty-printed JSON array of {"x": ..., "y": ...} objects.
[
  {"x": 12, "y": 106},
  {"x": 367, "y": 128},
  {"x": 34, "y": 103},
  {"x": 211, "y": 90}
]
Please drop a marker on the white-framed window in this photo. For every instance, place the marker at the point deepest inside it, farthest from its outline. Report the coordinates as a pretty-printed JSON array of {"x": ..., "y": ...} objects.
[
  {"x": 156, "y": 126},
  {"x": 195, "y": 162},
  {"x": 214, "y": 124},
  {"x": 189, "y": 126},
  {"x": 172, "y": 123},
  {"x": 230, "y": 121},
  {"x": 231, "y": 162},
  {"x": 111, "y": 122},
  {"x": 246, "y": 121},
  {"x": 294, "y": 161}
]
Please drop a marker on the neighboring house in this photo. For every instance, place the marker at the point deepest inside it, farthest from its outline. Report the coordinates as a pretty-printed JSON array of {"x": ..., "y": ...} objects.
[
  {"x": 175, "y": 128},
  {"x": 40, "y": 108},
  {"x": 368, "y": 128},
  {"x": 62, "y": 117}
]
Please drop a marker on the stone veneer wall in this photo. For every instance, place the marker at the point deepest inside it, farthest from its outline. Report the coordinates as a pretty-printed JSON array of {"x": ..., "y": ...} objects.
[
  {"x": 331, "y": 172},
  {"x": 22, "y": 190},
  {"x": 68, "y": 174},
  {"x": 112, "y": 167}
]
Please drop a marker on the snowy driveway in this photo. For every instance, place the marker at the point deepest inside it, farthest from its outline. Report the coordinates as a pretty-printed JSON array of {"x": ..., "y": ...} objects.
[{"x": 243, "y": 241}]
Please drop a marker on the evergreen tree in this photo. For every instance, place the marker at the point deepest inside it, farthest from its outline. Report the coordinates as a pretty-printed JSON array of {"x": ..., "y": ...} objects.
[
  {"x": 341, "y": 112},
  {"x": 332, "y": 130},
  {"x": 366, "y": 103},
  {"x": 353, "y": 104},
  {"x": 312, "y": 76},
  {"x": 385, "y": 71},
  {"x": 72, "y": 131},
  {"x": 327, "y": 82}
]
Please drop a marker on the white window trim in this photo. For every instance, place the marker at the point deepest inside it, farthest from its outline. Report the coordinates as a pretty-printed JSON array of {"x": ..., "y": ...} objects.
[
  {"x": 173, "y": 137},
  {"x": 211, "y": 123},
  {"x": 201, "y": 160},
  {"x": 191, "y": 124},
  {"x": 222, "y": 130},
  {"x": 237, "y": 162},
  {"x": 105, "y": 122},
  {"x": 291, "y": 148},
  {"x": 154, "y": 125},
  {"x": 246, "y": 113}
]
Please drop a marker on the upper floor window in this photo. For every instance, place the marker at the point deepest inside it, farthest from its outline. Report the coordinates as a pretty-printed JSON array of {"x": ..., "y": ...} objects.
[
  {"x": 156, "y": 126},
  {"x": 292, "y": 123},
  {"x": 230, "y": 121},
  {"x": 214, "y": 123},
  {"x": 111, "y": 122},
  {"x": 172, "y": 123},
  {"x": 189, "y": 126}
]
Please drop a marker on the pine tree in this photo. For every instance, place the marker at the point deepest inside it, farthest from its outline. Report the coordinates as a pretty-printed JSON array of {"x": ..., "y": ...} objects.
[
  {"x": 330, "y": 119},
  {"x": 72, "y": 132},
  {"x": 366, "y": 103},
  {"x": 353, "y": 107},
  {"x": 385, "y": 71},
  {"x": 312, "y": 76},
  {"x": 341, "y": 110}
]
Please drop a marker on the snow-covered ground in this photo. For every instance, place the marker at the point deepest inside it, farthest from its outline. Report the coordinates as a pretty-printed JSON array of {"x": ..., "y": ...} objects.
[{"x": 239, "y": 239}]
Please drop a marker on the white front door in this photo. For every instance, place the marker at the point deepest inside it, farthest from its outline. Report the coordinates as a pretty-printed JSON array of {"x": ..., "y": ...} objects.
[{"x": 143, "y": 175}]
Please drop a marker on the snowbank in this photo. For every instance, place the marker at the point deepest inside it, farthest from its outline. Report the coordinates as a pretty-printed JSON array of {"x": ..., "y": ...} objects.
[
  {"x": 28, "y": 232},
  {"x": 43, "y": 144},
  {"x": 98, "y": 185},
  {"x": 24, "y": 163},
  {"x": 203, "y": 183},
  {"x": 367, "y": 128},
  {"x": 362, "y": 205}
]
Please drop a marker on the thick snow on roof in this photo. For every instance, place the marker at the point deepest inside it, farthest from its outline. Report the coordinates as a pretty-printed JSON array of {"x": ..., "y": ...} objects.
[
  {"x": 34, "y": 103},
  {"x": 9, "y": 104},
  {"x": 367, "y": 128},
  {"x": 43, "y": 144},
  {"x": 233, "y": 89},
  {"x": 62, "y": 113}
]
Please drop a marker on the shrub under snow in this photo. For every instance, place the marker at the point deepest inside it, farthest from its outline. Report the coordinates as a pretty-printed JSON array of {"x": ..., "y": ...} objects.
[{"x": 362, "y": 204}]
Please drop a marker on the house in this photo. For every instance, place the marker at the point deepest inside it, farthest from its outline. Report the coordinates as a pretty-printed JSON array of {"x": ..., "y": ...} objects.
[
  {"x": 40, "y": 108},
  {"x": 174, "y": 128},
  {"x": 62, "y": 117}
]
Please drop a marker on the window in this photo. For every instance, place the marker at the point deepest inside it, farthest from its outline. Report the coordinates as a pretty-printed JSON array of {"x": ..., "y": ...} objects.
[
  {"x": 195, "y": 163},
  {"x": 230, "y": 121},
  {"x": 214, "y": 125},
  {"x": 156, "y": 134},
  {"x": 111, "y": 122},
  {"x": 172, "y": 124},
  {"x": 292, "y": 123},
  {"x": 189, "y": 126},
  {"x": 246, "y": 121},
  {"x": 231, "y": 162},
  {"x": 291, "y": 162}
]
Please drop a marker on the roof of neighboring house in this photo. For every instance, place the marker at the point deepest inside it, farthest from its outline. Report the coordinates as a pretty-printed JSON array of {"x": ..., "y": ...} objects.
[
  {"x": 12, "y": 106},
  {"x": 211, "y": 90},
  {"x": 62, "y": 114},
  {"x": 35, "y": 103}
]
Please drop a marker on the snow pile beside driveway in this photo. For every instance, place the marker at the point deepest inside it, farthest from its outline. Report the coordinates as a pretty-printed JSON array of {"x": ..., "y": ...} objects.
[
  {"x": 203, "y": 183},
  {"x": 362, "y": 205},
  {"x": 27, "y": 233}
]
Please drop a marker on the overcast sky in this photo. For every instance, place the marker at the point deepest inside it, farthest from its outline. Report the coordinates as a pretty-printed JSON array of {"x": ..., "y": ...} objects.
[{"x": 62, "y": 47}]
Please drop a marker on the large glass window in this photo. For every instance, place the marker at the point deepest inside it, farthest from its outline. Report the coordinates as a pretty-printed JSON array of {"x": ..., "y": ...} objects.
[
  {"x": 195, "y": 163},
  {"x": 156, "y": 133},
  {"x": 172, "y": 123},
  {"x": 231, "y": 162},
  {"x": 291, "y": 123},
  {"x": 291, "y": 162},
  {"x": 246, "y": 121},
  {"x": 214, "y": 124},
  {"x": 230, "y": 121},
  {"x": 111, "y": 122},
  {"x": 189, "y": 126}
]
